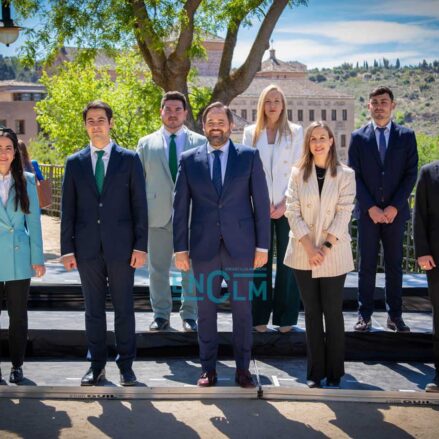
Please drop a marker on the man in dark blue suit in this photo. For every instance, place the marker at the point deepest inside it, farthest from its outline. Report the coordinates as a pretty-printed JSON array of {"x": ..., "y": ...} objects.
[
  {"x": 104, "y": 233},
  {"x": 225, "y": 186},
  {"x": 385, "y": 159}
]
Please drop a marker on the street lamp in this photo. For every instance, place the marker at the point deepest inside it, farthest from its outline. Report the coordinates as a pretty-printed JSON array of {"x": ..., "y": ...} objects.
[{"x": 8, "y": 31}]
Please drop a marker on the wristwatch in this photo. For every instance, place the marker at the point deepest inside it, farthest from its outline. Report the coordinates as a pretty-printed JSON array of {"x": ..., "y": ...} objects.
[{"x": 327, "y": 244}]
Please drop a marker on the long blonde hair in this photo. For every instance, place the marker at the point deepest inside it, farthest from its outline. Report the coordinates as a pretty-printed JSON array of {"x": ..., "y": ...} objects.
[
  {"x": 307, "y": 160},
  {"x": 261, "y": 120}
]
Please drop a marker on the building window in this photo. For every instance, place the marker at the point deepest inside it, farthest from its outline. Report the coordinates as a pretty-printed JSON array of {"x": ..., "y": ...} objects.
[
  {"x": 37, "y": 97},
  {"x": 233, "y": 110},
  {"x": 343, "y": 141},
  {"x": 345, "y": 114},
  {"x": 290, "y": 115},
  {"x": 300, "y": 115},
  {"x": 3, "y": 123},
  {"x": 323, "y": 114},
  {"x": 334, "y": 115},
  {"x": 254, "y": 113},
  {"x": 244, "y": 114},
  {"x": 19, "y": 127},
  {"x": 311, "y": 115}
]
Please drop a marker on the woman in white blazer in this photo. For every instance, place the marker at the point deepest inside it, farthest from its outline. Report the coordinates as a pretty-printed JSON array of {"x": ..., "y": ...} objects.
[
  {"x": 320, "y": 199},
  {"x": 279, "y": 143},
  {"x": 21, "y": 248}
]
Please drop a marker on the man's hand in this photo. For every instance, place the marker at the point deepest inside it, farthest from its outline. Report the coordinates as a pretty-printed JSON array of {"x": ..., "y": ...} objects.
[
  {"x": 261, "y": 259},
  {"x": 279, "y": 210},
  {"x": 377, "y": 215},
  {"x": 69, "y": 262},
  {"x": 138, "y": 259},
  {"x": 390, "y": 213},
  {"x": 40, "y": 270},
  {"x": 182, "y": 261},
  {"x": 426, "y": 262}
]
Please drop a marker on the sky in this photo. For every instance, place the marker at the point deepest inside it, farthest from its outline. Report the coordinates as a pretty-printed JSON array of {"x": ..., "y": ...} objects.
[{"x": 328, "y": 33}]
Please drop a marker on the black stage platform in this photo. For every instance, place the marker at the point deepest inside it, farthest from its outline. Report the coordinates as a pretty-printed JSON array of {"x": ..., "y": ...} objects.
[{"x": 56, "y": 324}]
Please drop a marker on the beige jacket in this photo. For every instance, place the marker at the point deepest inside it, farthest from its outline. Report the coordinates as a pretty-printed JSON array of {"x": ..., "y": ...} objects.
[{"x": 310, "y": 213}]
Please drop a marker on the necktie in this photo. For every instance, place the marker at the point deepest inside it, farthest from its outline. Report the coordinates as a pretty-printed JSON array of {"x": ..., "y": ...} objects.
[
  {"x": 217, "y": 178},
  {"x": 173, "y": 157},
  {"x": 99, "y": 171},
  {"x": 382, "y": 144}
]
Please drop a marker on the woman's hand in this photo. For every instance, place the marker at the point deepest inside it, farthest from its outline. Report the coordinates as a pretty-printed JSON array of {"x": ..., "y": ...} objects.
[
  {"x": 40, "y": 270},
  {"x": 315, "y": 257}
]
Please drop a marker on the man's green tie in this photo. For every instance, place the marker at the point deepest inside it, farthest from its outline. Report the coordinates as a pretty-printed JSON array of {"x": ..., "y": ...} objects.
[
  {"x": 100, "y": 171},
  {"x": 173, "y": 157}
]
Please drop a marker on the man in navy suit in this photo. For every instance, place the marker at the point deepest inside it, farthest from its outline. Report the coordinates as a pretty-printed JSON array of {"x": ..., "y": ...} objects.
[
  {"x": 104, "y": 233},
  {"x": 385, "y": 160},
  {"x": 225, "y": 186}
]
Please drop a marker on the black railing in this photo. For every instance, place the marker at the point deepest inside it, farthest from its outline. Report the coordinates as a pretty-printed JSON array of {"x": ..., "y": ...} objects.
[{"x": 55, "y": 173}]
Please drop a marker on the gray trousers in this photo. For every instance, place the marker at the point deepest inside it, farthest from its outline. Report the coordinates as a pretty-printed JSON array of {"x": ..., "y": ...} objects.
[{"x": 160, "y": 252}]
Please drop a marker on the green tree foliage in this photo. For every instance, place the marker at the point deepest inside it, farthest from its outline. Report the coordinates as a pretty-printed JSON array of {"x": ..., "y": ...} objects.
[
  {"x": 428, "y": 148},
  {"x": 11, "y": 69},
  {"x": 135, "y": 101},
  {"x": 168, "y": 33}
]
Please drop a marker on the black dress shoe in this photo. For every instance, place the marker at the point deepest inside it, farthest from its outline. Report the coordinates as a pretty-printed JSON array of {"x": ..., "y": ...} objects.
[
  {"x": 314, "y": 384},
  {"x": 244, "y": 379},
  {"x": 16, "y": 375},
  {"x": 333, "y": 383},
  {"x": 362, "y": 325},
  {"x": 190, "y": 325},
  {"x": 92, "y": 377},
  {"x": 397, "y": 324},
  {"x": 159, "y": 324},
  {"x": 434, "y": 385},
  {"x": 128, "y": 378}
]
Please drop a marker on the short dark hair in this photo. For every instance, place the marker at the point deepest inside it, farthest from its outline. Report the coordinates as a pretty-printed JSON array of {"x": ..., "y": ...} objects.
[
  {"x": 173, "y": 96},
  {"x": 381, "y": 90},
  {"x": 97, "y": 105},
  {"x": 222, "y": 107}
]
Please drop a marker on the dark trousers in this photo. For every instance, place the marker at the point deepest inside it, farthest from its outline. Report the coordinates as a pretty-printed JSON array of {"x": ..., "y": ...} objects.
[
  {"x": 16, "y": 293},
  {"x": 433, "y": 292},
  {"x": 323, "y": 297},
  {"x": 284, "y": 299},
  {"x": 369, "y": 237},
  {"x": 208, "y": 276},
  {"x": 117, "y": 277}
]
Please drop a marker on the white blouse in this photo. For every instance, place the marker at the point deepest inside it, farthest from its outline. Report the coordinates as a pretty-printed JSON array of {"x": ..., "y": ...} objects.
[{"x": 5, "y": 186}]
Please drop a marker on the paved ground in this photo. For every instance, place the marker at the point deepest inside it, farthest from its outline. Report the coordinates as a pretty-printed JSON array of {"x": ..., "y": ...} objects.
[{"x": 238, "y": 419}]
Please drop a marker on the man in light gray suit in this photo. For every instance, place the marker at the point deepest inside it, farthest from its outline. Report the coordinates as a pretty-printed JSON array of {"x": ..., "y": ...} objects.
[{"x": 159, "y": 153}]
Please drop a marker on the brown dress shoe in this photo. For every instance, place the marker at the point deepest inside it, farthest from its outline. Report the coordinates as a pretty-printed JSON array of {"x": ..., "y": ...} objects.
[
  {"x": 207, "y": 379},
  {"x": 244, "y": 379}
]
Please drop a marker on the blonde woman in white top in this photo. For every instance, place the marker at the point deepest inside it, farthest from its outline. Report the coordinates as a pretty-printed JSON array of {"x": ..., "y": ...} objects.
[
  {"x": 279, "y": 143},
  {"x": 320, "y": 200}
]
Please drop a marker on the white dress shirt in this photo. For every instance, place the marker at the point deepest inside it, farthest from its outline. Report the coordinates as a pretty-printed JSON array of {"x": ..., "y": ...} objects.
[
  {"x": 180, "y": 140},
  {"x": 105, "y": 157},
  {"x": 5, "y": 186},
  {"x": 386, "y": 133}
]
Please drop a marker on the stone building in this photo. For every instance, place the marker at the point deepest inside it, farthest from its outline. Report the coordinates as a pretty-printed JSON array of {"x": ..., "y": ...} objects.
[
  {"x": 306, "y": 100},
  {"x": 17, "y": 102}
]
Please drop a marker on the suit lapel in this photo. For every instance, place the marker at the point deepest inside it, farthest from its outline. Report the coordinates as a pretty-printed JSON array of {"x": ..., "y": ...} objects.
[
  {"x": 4, "y": 216},
  {"x": 203, "y": 159},
  {"x": 87, "y": 169},
  {"x": 113, "y": 166},
  {"x": 188, "y": 140},
  {"x": 232, "y": 165},
  {"x": 161, "y": 141},
  {"x": 392, "y": 140},
  {"x": 373, "y": 144}
]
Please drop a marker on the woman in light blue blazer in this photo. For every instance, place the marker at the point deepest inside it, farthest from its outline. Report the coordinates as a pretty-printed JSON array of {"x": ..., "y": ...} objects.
[
  {"x": 21, "y": 247},
  {"x": 280, "y": 145}
]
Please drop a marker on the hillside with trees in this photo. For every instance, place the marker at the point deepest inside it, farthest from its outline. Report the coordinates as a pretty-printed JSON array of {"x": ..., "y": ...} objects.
[{"x": 416, "y": 90}]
